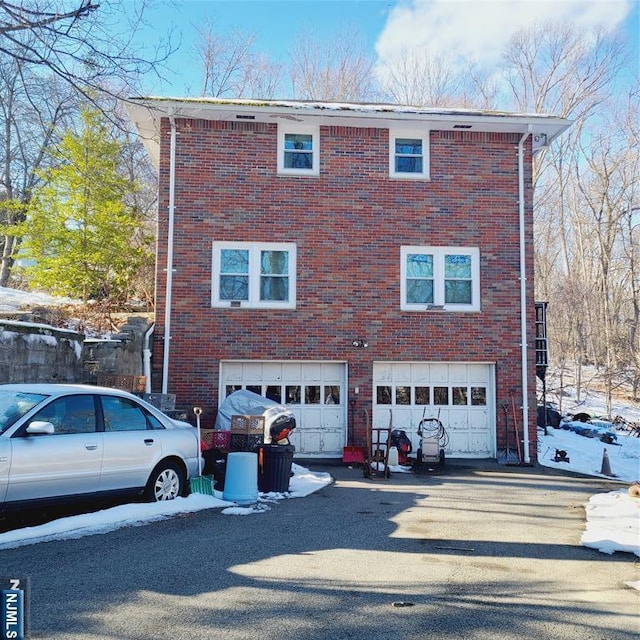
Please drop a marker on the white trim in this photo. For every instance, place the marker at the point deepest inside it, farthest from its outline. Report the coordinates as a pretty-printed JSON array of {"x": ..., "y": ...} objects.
[
  {"x": 147, "y": 112},
  {"x": 419, "y": 134},
  {"x": 254, "y": 249},
  {"x": 438, "y": 254},
  {"x": 168, "y": 294},
  {"x": 314, "y": 132},
  {"x": 524, "y": 304}
]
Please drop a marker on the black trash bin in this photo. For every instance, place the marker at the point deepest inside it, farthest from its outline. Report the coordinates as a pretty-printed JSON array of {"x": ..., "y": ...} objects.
[
  {"x": 215, "y": 464},
  {"x": 274, "y": 467}
]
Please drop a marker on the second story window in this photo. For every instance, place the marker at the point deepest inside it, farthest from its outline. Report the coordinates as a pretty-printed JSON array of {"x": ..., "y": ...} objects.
[
  {"x": 409, "y": 154},
  {"x": 247, "y": 274},
  {"x": 445, "y": 278},
  {"x": 298, "y": 150}
]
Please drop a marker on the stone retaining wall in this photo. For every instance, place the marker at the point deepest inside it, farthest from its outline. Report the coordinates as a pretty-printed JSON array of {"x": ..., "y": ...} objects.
[{"x": 32, "y": 352}]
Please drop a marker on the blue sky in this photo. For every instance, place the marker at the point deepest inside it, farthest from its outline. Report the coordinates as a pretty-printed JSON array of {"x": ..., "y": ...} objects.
[{"x": 468, "y": 29}]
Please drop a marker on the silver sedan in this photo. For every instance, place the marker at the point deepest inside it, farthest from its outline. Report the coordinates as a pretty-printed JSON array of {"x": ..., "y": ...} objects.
[{"x": 62, "y": 442}]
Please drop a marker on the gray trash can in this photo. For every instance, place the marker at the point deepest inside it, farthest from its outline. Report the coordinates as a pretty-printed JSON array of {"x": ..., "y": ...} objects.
[{"x": 274, "y": 467}]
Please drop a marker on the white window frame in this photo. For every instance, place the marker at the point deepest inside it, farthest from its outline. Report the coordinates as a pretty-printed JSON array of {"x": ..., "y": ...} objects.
[
  {"x": 314, "y": 132},
  {"x": 420, "y": 134},
  {"x": 438, "y": 254},
  {"x": 254, "y": 249}
]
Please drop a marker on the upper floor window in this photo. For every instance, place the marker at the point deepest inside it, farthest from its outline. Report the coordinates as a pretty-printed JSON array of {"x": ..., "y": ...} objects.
[
  {"x": 440, "y": 278},
  {"x": 249, "y": 274},
  {"x": 409, "y": 154},
  {"x": 298, "y": 149}
]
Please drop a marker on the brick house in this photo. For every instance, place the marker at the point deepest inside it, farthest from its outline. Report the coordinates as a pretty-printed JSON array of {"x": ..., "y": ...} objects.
[{"x": 343, "y": 258}]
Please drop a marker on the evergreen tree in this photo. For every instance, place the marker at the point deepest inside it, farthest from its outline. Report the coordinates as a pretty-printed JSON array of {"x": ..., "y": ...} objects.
[{"x": 82, "y": 234}]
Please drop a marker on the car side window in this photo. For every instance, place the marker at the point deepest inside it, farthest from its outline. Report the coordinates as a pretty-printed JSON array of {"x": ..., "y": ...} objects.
[
  {"x": 154, "y": 423},
  {"x": 71, "y": 414},
  {"x": 122, "y": 414}
]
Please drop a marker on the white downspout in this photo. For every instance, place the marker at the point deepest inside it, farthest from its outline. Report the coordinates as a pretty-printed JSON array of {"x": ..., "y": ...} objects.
[
  {"x": 146, "y": 357},
  {"x": 169, "y": 284},
  {"x": 523, "y": 304}
]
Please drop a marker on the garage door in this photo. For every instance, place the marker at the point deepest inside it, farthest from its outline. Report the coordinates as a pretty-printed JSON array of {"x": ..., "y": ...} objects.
[
  {"x": 316, "y": 393},
  {"x": 461, "y": 395}
]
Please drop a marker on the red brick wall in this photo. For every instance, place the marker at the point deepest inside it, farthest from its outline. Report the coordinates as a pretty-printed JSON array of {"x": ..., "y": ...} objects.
[{"x": 348, "y": 223}]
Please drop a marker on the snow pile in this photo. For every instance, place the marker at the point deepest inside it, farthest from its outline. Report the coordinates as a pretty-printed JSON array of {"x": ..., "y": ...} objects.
[
  {"x": 14, "y": 300},
  {"x": 125, "y": 515},
  {"x": 613, "y": 523},
  {"x": 585, "y": 454},
  {"x": 302, "y": 484}
]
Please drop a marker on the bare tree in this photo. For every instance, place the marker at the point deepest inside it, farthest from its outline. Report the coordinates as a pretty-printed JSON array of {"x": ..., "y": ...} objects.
[
  {"x": 423, "y": 79},
  {"x": 81, "y": 42},
  {"x": 560, "y": 69},
  {"x": 29, "y": 16},
  {"x": 592, "y": 223},
  {"x": 599, "y": 223},
  {"x": 416, "y": 78},
  {"x": 231, "y": 68},
  {"x": 557, "y": 68},
  {"x": 54, "y": 55},
  {"x": 135, "y": 164},
  {"x": 338, "y": 70},
  {"x": 631, "y": 247},
  {"x": 31, "y": 106}
]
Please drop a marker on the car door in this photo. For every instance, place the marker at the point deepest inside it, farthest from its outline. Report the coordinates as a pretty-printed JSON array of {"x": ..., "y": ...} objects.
[
  {"x": 132, "y": 444},
  {"x": 66, "y": 462},
  {"x": 5, "y": 459}
]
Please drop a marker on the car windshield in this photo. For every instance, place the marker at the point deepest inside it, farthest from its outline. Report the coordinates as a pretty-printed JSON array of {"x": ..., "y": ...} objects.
[{"x": 14, "y": 404}]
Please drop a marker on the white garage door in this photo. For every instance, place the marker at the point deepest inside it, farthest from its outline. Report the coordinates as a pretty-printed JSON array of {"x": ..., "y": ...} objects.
[
  {"x": 316, "y": 393},
  {"x": 461, "y": 395}
]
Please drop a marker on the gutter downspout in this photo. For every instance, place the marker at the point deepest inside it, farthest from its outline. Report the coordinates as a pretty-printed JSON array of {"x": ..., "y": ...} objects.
[
  {"x": 523, "y": 303},
  {"x": 146, "y": 357},
  {"x": 169, "y": 283}
]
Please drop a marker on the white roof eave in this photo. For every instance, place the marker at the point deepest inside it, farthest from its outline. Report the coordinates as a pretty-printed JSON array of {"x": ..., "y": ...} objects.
[{"x": 147, "y": 112}]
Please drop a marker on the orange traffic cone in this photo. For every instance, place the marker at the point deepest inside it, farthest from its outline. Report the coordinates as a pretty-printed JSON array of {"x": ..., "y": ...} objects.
[{"x": 606, "y": 467}]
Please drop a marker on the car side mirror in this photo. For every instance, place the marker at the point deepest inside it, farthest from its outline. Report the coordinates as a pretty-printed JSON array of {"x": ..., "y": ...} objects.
[{"x": 40, "y": 427}]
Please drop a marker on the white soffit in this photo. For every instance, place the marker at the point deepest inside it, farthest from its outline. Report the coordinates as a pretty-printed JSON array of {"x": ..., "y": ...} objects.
[{"x": 147, "y": 112}]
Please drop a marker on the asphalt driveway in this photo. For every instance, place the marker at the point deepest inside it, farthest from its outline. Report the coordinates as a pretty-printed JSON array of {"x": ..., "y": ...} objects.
[{"x": 475, "y": 550}]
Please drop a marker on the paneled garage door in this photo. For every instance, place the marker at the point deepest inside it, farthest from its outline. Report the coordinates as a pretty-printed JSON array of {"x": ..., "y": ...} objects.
[
  {"x": 461, "y": 395},
  {"x": 316, "y": 393}
]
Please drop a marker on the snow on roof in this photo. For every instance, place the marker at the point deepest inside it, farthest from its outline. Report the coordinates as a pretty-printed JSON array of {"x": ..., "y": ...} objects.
[
  {"x": 313, "y": 105},
  {"x": 147, "y": 112}
]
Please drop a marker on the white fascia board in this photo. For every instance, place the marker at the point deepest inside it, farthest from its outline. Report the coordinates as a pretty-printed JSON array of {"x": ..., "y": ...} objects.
[{"x": 147, "y": 112}]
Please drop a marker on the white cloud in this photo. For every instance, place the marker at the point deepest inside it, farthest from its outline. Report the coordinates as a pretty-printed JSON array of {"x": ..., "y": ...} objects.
[{"x": 477, "y": 30}]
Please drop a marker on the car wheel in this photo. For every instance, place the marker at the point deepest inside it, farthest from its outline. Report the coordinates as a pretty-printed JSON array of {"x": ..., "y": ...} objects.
[{"x": 165, "y": 483}]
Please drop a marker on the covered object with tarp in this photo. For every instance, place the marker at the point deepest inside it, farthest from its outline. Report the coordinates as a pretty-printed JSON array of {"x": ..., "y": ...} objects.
[{"x": 279, "y": 421}]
